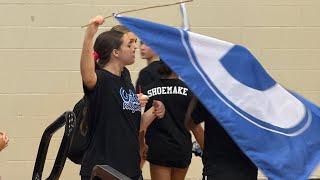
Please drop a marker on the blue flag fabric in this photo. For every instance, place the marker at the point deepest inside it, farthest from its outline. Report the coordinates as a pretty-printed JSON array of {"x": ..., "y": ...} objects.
[{"x": 277, "y": 129}]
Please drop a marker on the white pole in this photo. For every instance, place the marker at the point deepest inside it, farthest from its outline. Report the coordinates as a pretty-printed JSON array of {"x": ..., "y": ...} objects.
[{"x": 184, "y": 15}]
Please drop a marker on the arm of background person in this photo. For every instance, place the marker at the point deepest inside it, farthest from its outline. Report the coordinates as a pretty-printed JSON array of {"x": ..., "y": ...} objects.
[
  {"x": 196, "y": 128},
  {"x": 3, "y": 140},
  {"x": 156, "y": 111}
]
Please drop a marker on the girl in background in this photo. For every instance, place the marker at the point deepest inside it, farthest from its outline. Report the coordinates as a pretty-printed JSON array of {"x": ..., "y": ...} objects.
[{"x": 169, "y": 142}]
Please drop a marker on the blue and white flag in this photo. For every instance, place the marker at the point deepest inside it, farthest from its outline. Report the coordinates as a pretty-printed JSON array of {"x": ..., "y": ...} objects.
[{"x": 278, "y": 130}]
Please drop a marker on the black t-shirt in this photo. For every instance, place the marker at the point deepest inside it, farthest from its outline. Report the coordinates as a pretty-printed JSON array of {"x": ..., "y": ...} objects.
[
  {"x": 220, "y": 153},
  {"x": 168, "y": 139},
  {"x": 148, "y": 74},
  {"x": 114, "y": 111}
]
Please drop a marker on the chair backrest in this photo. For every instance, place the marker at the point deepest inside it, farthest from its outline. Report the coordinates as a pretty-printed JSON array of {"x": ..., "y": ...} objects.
[
  {"x": 105, "y": 172},
  {"x": 67, "y": 119}
]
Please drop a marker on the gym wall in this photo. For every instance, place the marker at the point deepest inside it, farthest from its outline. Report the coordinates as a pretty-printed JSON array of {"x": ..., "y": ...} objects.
[{"x": 40, "y": 43}]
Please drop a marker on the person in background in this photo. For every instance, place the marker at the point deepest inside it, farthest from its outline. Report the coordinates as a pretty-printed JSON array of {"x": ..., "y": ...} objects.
[
  {"x": 169, "y": 141},
  {"x": 150, "y": 73},
  {"x": 4, "y": 140},
  {"x": 222, "y": 158}
]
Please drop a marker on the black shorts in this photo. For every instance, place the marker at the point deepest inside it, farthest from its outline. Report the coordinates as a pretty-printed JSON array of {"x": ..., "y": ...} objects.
[
  {"x": 167, "y": 154},
  {"x": 171, "y": 164}
]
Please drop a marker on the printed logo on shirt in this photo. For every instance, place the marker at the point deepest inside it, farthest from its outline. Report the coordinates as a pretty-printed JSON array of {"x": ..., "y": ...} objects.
[
  {"x": 130, "y": 100},
  {"x": 167, "y": 90}
]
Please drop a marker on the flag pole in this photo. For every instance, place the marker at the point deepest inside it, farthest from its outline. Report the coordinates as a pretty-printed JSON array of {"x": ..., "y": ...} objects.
[
  {"x": 140, "y": 9},
  {"x": 184, "y": 16}
]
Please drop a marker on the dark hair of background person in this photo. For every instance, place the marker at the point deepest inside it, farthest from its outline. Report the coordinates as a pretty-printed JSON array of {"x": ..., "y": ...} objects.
[{"x": 164, "y": 70}]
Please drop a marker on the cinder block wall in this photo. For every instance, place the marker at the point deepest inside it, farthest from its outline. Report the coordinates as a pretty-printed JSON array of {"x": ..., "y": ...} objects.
[{"x": 40, "y": 43}]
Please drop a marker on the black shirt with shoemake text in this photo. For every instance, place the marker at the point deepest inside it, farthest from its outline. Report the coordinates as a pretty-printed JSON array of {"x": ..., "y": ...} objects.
[{"x": 168, "y": 139}]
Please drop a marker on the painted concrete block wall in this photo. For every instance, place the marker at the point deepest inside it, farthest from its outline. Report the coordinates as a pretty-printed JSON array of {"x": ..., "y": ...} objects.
[{"x": 40, "y": 43}]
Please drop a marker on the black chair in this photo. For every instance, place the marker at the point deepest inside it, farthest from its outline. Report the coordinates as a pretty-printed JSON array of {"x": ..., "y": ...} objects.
[
  {"x": 105, "y": 172},
  {"x": 68, "y": 120}
]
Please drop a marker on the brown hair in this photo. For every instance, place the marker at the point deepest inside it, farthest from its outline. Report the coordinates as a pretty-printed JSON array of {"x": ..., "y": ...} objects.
[
  {"x": 164, "y": 70},
  {"x": 120, "y": 28},
  {"x": 105, "y": 43}
]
